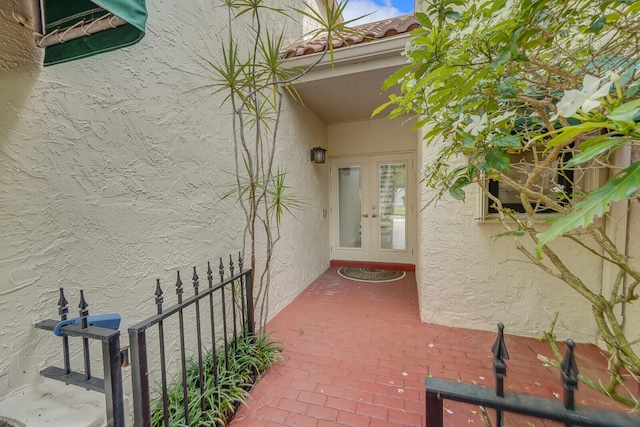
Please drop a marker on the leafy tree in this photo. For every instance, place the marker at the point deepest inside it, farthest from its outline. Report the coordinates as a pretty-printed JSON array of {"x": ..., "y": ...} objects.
[
  {"x": 256, "y": 78},
  {"x": 535, "y": 95}
]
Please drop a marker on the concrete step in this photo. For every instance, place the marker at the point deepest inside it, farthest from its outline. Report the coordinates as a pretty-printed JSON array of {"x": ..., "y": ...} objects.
[{"x": 52, "y": 403}]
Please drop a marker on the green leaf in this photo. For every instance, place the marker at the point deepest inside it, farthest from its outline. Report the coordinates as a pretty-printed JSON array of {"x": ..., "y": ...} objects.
[
  {"x": 595, "y": 150},
  {"x": 457, "y": 193},
  {"x": 508, "y": 141},
  {"x": 630, "y": 91},
  {"x": 381, "y": 108},
  {"x": 502, "y": 57},
  {"x": 597, "y": 25},
  {"x": 507, "y": 88},
  {"x": 626, "y": 112},
  {"x": 621, "y": 186},
  {"x": 569, "y": 132},
  {"x": 453, "y": 15},
  {"x": 456, "y": 190},
  {"x": 393, "y": 79},
  {"x": 498, "y": 159}
]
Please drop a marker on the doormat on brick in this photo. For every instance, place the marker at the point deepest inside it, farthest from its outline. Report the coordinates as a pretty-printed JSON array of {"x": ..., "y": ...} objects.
[{"x": 370, "y": 274}]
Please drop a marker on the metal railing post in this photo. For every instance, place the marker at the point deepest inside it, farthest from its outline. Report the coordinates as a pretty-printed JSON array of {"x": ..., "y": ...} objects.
[
  {"x": 63, "y": 310},
  {"x": 435, "y": 409},
  {"x": 140, "y": 378},
  {"x": 569, "y": 375},
  {"x": 500, "y": 353},
  {"x": 251, "y": 324},
  {"x": 113, "y": 381},
  {"x": 84, "y": 313}
]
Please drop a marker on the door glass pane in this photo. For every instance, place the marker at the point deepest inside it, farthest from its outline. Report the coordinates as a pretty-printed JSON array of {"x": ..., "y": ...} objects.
[
  {"x": 350, "y": 206},
  {"x": 392, "y": 179}
]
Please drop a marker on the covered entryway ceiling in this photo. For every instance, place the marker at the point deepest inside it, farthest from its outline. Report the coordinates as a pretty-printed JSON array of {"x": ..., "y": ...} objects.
[{"x": 350, "y": 90}]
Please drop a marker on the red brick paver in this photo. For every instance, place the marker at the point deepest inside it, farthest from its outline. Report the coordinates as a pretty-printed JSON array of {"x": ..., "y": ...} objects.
[{"x": 356, "y": 354}]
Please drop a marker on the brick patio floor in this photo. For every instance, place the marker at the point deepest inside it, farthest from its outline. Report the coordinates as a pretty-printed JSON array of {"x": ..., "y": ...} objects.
[{"x": 356, "y": 354}]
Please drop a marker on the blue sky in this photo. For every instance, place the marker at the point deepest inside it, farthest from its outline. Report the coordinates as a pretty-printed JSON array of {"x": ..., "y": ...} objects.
[{"x": 379, "y": 9}]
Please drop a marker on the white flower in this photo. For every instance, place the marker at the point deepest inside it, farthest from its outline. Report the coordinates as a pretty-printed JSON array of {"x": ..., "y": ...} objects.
[
  {"x": 458, "y": 122},
  {"x": 587, "y": 98},
  {"x": 503, "y": 116},
  {"x": 614, "y": 77},
  {"x": 477, "y": 125}
]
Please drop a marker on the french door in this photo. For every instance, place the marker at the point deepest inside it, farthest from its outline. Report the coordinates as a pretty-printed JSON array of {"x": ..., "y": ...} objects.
[{"x": 372, "y": 208}]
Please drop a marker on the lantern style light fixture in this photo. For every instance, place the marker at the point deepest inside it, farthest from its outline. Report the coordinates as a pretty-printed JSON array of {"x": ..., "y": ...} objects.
[{"x": 318, "y": 154}]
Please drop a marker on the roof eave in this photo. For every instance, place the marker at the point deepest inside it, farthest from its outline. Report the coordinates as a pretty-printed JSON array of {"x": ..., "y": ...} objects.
[{"x": 380, "y": 53}]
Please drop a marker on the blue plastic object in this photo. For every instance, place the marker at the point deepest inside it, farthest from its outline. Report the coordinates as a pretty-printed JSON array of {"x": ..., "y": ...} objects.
[{"x": 109, "y": 321}]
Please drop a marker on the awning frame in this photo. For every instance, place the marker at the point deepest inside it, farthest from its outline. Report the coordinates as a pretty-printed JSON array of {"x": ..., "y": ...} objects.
[{"x": 96, "y": 19}]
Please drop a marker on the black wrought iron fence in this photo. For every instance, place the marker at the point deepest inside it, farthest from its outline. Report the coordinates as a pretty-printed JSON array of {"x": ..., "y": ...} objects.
[
  {"x": 214, "y": 316},
  {"x": 566, "y": 412}
]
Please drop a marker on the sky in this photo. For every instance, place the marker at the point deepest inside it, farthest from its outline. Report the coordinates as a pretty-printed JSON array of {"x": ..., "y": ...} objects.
[{"x": 379, "y": 9}]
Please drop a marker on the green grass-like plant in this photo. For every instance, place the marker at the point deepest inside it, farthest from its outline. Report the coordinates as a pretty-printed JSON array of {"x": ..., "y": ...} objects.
[{"x": 249, "y": 357}]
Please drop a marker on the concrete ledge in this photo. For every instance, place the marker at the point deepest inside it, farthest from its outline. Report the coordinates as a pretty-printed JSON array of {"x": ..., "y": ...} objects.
[{"x": 52, "y": 403}]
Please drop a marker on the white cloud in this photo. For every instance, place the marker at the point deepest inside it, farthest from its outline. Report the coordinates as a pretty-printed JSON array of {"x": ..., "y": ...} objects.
[{"x": 377, "y": 11}]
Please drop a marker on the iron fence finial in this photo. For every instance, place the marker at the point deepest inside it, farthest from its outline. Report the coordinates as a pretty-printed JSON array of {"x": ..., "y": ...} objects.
[
  {"x": 500, "y": 353},
  {"x": 63, "y": 305},
  {"x": 179, "y": 288},
  {"x": 209, "y": 274},
  {"x": 159, "y": 297},
  {"x": 499, "y": 348},
  {"x": 231, "y": 264},
  {"x": 196, "y": 281},
  {"x": 569, "y": 374},
  {"x": 240, "y": 262},
  {"x": 84, "y": 311},
  {"x": 221, "y": 269}
]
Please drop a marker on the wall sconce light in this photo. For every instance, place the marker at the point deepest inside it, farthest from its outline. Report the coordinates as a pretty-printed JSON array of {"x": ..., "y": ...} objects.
[{"x": 318, "y": 154}]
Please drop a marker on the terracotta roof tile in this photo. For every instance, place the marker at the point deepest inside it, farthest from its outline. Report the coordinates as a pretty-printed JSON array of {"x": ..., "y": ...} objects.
[{"x": 365, "y": 33}]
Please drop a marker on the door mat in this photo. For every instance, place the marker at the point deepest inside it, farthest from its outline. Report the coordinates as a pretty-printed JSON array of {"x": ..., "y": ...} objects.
[{"x": 370, "y": 274}]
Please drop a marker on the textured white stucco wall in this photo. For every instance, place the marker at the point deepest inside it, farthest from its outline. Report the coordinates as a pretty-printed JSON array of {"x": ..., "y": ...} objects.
[
  {"x": 632, "y": 311},
  {"x": 468, "y": 279},
  {"x": 111, "y": 172}
]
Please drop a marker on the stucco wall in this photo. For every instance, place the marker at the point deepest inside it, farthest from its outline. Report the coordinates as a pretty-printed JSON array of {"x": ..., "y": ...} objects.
[
  {"x": 469, "y": 279},
  {"x": 632, "y": 311},
  {"x": 111, "y": 172}
]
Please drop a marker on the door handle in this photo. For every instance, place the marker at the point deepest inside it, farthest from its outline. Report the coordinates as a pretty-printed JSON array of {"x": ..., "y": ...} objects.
[
  {"x": 365, "y": 215},
  {"x": 374, "y": 216}
]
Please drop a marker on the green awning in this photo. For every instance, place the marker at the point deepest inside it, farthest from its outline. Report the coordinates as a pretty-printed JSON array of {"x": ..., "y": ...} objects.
[{"x": 80, "y": 28}]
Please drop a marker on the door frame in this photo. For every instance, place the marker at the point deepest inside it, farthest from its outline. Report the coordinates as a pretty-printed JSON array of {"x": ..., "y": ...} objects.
[{"x": 371, "y": 252}]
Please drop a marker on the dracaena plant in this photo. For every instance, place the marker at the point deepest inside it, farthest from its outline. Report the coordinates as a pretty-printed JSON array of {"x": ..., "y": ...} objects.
[
  {"x": 534, "y": 95},
  {"x": 255, "y": 78}
]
